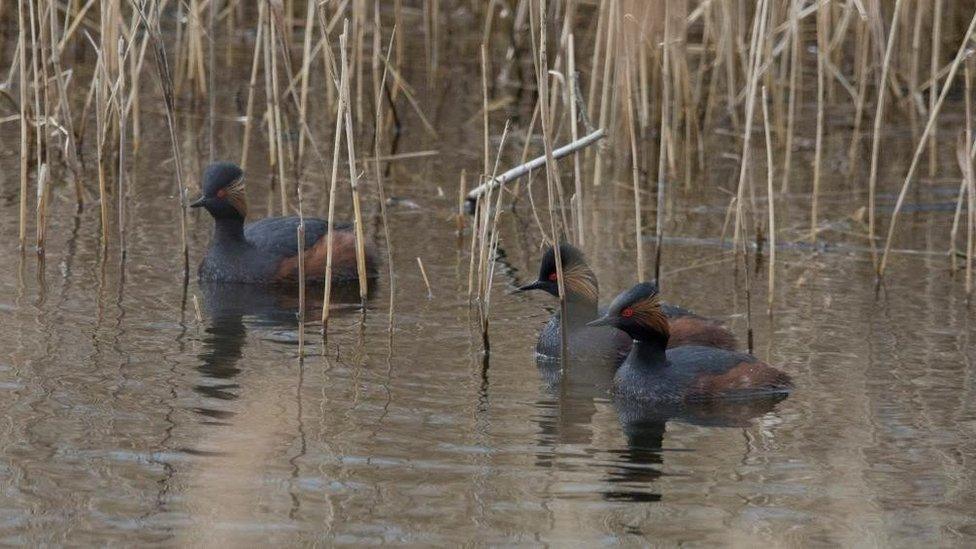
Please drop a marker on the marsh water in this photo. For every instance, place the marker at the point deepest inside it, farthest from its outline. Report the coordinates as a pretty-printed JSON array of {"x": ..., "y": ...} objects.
[{"x": 140, "y": 411}]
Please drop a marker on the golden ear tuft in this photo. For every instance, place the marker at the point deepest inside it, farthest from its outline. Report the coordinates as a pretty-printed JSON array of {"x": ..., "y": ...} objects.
[{"x": 236, "y": 195}]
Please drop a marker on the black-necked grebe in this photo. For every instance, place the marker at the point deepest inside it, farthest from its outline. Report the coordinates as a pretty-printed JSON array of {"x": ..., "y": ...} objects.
[
  {"x": 582, "y": 295},
  {"x": 266, "y": 251},
  {"x": 653, "y": 372}
]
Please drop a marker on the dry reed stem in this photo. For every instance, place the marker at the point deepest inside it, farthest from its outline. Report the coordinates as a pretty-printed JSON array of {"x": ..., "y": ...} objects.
[
  {"x": 878, "y": 115},
  {"x": 377, "y": 143},
  {"x": 605, "y": 94},
  {"x": 662, "y": 154},
  {"x": 822, "y": 15},
  {"x": 936, "y": 42},
  {"x": 489, "y": 249},
  {"x": 523, "y": 169},
  {"x": 279, "y": 160},
  {"x": 965, "y": 163},
  {"x": 771, "y": 205},
  {"x": 969, "y": 182},
  {"x": 574, "y": 132},
  {"x": 933, "y": 115},
  {"x": 252, "y": 85},
  {"x": 423, "y": 273},
  {"x": 24, "y": 146},
  {"x": 330, "y": 231},
  {"x": 552, "y": 171},
  {"x": 635, "y": 175},
  {"x": 795, "y": 73},
  {"x": 166, "y": 84},
  {"x": 354, "y": 185},
  {"x": 861, "y": 77},
  {"x": 755, "y": 62},
  {"x": 304, "y": 75}
]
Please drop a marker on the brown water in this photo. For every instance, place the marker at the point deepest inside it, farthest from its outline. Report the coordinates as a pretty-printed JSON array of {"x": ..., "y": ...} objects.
[{"x": 127, "y": 419}]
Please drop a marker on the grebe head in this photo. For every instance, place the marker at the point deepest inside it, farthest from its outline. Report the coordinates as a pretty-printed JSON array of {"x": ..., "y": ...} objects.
[
  {"x": 578, "y": 279},
  {"x": 637, "y": 311},
  {"x": 223, "y": 191}
]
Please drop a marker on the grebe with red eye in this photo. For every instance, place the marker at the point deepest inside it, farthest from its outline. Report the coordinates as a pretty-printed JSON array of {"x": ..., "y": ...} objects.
[
  {"x": 653, "y": 372},
  {"x": 605, "y": 343}
]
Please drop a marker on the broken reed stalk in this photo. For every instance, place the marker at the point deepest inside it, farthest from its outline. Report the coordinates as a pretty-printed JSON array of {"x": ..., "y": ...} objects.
[
  {"x": 770, "y": 204},
  {"x": 340, "y": 118},
  {"x": 534, "y": 164},
  {"x": 423, "y": 273},
  {"x": 878, "y": 117},
  {"x": 933, "y": 116},
  {"x": 459, "y": 220},
  {"x": 43, "y": 193},
  {"x": 354, "y": 185}
]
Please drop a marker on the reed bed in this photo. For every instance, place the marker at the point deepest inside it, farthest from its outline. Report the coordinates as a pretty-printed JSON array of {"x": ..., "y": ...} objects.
[{"x": 656, "y": 77}]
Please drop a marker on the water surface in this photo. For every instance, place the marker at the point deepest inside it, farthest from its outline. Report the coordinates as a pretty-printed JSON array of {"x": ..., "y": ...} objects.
[{"x": 128, "y": 418}]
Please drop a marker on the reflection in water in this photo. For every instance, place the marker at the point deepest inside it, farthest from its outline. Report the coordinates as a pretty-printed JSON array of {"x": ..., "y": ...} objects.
[
  {"x": 566, "y": 419},
  {"x": 574, "y": 392},
  {"x": 230, "y": 308},
  {"x": 639, "y": 465}
]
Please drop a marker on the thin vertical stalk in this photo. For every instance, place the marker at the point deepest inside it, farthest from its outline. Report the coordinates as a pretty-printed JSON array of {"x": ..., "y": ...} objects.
[
  {"x": 306, "y": 67},
  {"x": 771, "y": 205},
  {"x": 822, "y": 15},
  {"x": 933, "y": 90},
  {"x": 252, "y": 85},
  {"x": 665, "y": 143},
  {"x": 354, "y": 185},
  {"x": 340, "y": 118},
  {"x": 608, "y": 75},
  {"x": 24, "y": 143},
  {"x": 635, "y": 175},
  {"x": 795, "y": 71},
  {"x": 574, "y": 131},
  {"x": 878, "y": 118},
  {"x": 933, "y": 116}
]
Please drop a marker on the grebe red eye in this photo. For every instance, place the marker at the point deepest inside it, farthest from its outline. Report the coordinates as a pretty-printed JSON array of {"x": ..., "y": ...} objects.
[
  {"x": 627, "y": 313},
  {"x": 553, "y": 277},
  {"x": 221, "y": 193}
]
